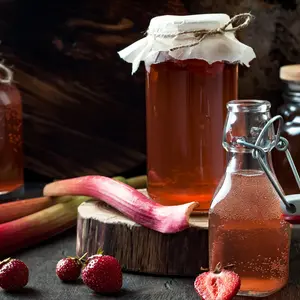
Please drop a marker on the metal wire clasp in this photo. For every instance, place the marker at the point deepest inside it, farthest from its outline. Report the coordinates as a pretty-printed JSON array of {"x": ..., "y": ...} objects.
[{"x": 280, "y": 144}]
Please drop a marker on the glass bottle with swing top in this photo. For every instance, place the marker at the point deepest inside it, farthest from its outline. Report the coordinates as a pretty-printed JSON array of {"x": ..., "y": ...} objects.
[{"x": 246, "y": 228}]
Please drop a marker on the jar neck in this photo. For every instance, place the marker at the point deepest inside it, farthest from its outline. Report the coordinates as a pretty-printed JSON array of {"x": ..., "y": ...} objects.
[{"x": 242, "y": 161}]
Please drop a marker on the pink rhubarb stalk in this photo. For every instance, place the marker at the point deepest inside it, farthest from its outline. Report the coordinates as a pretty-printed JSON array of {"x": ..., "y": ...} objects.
[
  {"x": 39, "y": 226},
  {"x": 17, "y": 209},
  {"x": 127, "y": 200}
]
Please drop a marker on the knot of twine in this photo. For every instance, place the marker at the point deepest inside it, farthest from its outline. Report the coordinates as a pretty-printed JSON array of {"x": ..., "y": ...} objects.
[
  {"x": 8, "y": 74},
  {"x": 242, "y": 20}
]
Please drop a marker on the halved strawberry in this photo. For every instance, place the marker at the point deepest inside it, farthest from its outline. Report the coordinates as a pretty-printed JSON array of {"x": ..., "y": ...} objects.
[{"x": 220, "y": 284}]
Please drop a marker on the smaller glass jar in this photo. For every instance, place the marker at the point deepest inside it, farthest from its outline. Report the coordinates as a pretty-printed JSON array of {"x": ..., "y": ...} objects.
[
  {"x": 290, "y": 111},
  {"x": 11, "y": 137}
]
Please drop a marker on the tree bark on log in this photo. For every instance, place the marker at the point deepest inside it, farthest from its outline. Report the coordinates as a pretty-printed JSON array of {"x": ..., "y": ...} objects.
[{"x": 140, "y": 249}]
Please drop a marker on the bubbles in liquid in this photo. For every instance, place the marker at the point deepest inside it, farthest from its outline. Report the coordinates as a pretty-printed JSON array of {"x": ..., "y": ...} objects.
[{"x": 247, "y": 195}]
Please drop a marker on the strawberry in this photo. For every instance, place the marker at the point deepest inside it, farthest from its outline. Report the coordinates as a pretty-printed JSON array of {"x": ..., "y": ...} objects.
[
  {"x": 102, "y": 274},
  {"x": 220, "y": 284},
  {"x": 69, "y": 268},
  {"x": 13, "y": 274}
]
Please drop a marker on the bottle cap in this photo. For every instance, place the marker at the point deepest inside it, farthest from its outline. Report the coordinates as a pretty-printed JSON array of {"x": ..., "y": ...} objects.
[{"x": 290, "y": 73}]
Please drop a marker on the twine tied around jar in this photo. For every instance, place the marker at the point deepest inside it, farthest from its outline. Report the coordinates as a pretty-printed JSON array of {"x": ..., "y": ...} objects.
[
  {"x": 8, "y": 74},
  {"x": 243, "y": 21}
]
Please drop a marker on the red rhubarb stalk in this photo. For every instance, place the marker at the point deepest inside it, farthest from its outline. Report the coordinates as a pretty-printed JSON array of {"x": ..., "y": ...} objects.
[
  {"x": 127, "y": 200},
  {"x": 39, "y": 226},
  {"x": 17, "y": 209}
]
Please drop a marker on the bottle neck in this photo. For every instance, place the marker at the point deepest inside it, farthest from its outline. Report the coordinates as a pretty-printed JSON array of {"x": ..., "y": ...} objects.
[{"x": 243, "y": 161}]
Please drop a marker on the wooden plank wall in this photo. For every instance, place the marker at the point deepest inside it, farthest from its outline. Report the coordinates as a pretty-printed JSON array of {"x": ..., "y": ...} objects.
[{"x": 83, "y": 111}]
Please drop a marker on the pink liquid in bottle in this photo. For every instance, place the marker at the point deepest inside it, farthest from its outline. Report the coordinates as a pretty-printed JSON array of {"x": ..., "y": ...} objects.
[{"x": 246, "y": 230}]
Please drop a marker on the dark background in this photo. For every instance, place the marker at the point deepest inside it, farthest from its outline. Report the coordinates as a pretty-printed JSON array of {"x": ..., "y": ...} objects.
[{"x": 83, "y": 111}]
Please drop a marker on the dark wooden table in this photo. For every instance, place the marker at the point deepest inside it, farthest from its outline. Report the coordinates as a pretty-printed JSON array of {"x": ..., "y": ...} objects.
[{"x": 44, "y": 284}]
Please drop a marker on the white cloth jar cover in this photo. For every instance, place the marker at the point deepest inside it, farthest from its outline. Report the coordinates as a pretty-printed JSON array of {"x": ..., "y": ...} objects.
[{"x": 175, "y": 37}]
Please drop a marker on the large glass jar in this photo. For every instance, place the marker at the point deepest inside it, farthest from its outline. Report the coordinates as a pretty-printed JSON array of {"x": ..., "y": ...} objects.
[
  {"x": 192, "y": 72},
  {"x": 186, "y": 110},
  {"x": 290, "y": 111},
  {"x": 246, "y": 228}
]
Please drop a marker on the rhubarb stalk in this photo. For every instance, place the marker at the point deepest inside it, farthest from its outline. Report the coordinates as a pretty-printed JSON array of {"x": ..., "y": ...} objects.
[
  {"x": 39, "y": 226},
  {"x": 17, "y": 209},
  {"x": 138, "y": 182},
  {"x": 127, "y": 200}
]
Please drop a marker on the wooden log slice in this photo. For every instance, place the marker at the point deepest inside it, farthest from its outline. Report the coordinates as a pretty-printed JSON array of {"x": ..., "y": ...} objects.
[{"x": 140, "y": 249}]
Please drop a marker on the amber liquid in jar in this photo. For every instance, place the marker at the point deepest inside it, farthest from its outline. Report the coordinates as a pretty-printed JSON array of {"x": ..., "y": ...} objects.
[
  {"x": 11, "y": 154},
  {"x": 186, "y": 110},
  {"x": 246, "y": 230}
]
